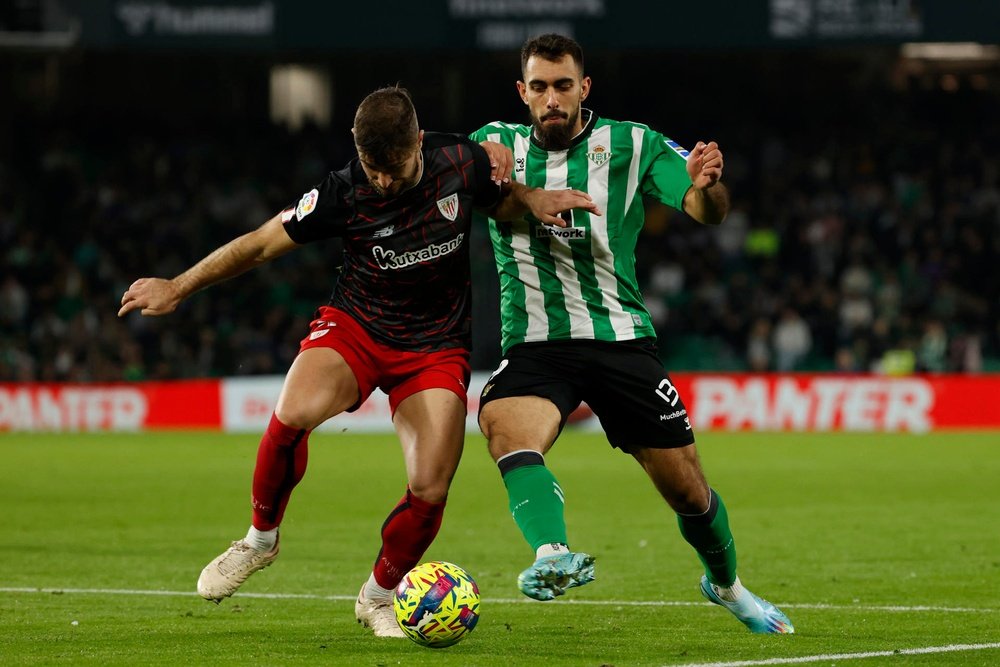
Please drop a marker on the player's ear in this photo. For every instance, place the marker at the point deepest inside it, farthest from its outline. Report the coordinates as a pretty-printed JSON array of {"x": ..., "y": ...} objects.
[
  {"x": 420, "y": 138},
  {"x": 584, "y": 88},
  {"x": 522, "y": 90}
]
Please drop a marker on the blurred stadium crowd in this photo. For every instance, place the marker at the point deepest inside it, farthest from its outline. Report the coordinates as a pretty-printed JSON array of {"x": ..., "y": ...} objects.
[
  {"x": 867, "y": 242},
  {"x": 861, "y": 238}
]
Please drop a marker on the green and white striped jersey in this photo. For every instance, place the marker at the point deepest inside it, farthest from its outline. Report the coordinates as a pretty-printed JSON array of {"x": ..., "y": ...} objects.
[{"x": 579, "y": 282}]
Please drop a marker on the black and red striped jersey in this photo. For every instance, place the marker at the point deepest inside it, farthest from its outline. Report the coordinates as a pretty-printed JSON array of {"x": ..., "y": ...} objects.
[{"x": 405, "y": 275}]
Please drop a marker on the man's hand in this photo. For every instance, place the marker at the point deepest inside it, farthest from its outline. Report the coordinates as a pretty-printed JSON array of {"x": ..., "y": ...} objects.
[
  {"x": 546, "y": 205},
  {"x": 704, "y": 165},
  {"x": 501, "y": 161},
  {"x": 707, "y": 200},
  {"x": 155, "y": 296}
]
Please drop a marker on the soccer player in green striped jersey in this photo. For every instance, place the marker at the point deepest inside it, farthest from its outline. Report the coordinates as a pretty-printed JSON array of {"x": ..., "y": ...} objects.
[{"x": 575, "y": 328}]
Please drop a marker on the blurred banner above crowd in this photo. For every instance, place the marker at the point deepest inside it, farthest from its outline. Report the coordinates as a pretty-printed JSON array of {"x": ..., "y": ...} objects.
[
  {"x": 716, "y": 402},
  {"x": 493, "y": 24}
]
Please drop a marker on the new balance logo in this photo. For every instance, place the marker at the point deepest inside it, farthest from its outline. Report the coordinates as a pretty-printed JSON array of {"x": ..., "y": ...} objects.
[{"x": 384, "y": 232}]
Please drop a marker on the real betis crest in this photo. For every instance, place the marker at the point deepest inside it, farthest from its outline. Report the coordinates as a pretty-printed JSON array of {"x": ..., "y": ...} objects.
[{"x": 600, "y": 155}]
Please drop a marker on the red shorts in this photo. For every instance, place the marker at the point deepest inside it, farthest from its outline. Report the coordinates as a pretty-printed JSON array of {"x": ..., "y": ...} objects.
[{"x": 399, "y": 373}]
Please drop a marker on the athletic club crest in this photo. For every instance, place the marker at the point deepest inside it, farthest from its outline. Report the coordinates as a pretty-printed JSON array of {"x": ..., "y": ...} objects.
[
  {"x": 449, "y": 206},
  {"x": 599, "y": 155}
]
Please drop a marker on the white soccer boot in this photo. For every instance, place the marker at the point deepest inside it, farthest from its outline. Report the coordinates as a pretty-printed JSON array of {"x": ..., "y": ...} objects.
[
  {"x": 230, "y": 569},
  {"x": 759, "y": 615},
  {"x": 550, "y": 576},
  {"x": 377, "y": 615}
]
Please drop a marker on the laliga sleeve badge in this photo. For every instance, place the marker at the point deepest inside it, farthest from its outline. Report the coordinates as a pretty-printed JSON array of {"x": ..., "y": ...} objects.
[
  {"x": 307, "y": 204},
  {"x": 677, "y": 148}
]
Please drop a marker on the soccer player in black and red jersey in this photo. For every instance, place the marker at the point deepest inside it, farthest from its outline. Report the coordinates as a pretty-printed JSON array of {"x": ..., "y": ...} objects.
[{"x": 399, "y": 320}]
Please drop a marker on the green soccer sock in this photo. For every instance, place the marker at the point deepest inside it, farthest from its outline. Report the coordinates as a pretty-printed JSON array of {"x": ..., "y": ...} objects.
[
  {"x": 710, "y": 536},
  {"x": 536, "y": 501}
]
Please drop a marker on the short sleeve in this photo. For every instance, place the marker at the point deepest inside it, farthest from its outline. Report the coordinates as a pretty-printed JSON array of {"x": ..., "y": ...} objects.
[
  {"x": 322, "y": 212},
  {"x": 665, "y": 177},
  {"x": 479, "y": 135}
]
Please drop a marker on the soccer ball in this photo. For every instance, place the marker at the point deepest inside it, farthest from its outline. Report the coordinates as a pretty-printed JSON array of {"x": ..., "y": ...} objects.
[{"x": 436, "y": 604}]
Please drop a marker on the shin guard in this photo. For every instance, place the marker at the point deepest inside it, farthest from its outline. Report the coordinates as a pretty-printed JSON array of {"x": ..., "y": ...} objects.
[
  {"x": 407, "y": 532},
  {"x": 281, "y": 464}
]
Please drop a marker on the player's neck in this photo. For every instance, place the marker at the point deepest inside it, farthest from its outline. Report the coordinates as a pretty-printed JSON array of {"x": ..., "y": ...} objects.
[
  {"x": 420, "y": 173},
  {"x": 583, "y": 120},
  {"x": 420, "y": 166}
]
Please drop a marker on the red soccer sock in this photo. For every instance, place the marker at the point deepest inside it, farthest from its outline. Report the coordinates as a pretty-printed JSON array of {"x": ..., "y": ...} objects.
[
  {"x": 281, "y": 463},
  {"x": 407, "y": 532}
]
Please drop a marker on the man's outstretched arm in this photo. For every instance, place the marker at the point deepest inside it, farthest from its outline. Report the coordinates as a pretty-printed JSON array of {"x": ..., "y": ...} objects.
[
  {"x": 159, "y": 296},
  {"x": 545, "y": 205},
  {"x": 518, "y": 199}
]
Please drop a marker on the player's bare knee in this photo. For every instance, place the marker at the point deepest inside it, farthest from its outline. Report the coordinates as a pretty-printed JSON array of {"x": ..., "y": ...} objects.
[
  {"x": 501, "y": 434},
  {"x": 689, "y": 503},
  {"x": 500, "y": 445},
  {"x": 688, "y": 496},
  {"x": 504, "y": 437},
  {"x": 433, "y": 491},
  {"x": 514, "y": 424},
  {"x": 297, "y": 416},
  {"x": 488, "y": 418}
]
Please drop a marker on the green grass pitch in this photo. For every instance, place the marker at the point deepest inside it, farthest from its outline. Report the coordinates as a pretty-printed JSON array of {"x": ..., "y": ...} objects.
[{"x": 871, "y": 544}]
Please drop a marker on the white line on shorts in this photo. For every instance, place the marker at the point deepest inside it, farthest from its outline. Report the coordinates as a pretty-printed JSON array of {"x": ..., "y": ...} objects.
[
  {"x": 569, "y": 601},
  {"x": 847, "y": 656}
]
